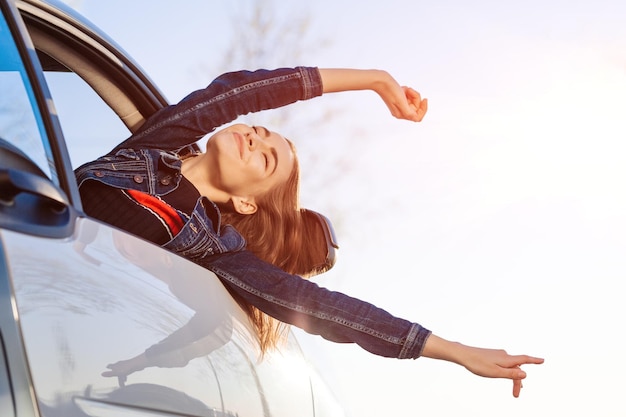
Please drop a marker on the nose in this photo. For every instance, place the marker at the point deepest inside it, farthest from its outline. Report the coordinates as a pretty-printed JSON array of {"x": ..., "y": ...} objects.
[{"x": 254, "y": 140}]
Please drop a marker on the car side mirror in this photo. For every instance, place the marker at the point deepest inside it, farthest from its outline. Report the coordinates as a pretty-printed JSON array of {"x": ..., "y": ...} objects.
[{"x": 29, "y": 201}]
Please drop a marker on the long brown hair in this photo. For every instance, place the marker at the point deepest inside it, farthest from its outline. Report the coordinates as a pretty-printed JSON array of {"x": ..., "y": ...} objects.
[{"x": 280, "y": 234}]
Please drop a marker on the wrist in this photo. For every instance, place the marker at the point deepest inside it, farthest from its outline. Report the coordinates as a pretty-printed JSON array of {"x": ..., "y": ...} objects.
[
  {"x": 381, "y": 81},
  {"x": 440, "y": 348}
]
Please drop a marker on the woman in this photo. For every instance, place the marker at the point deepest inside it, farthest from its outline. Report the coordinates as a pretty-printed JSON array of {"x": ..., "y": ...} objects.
[{"x": 248, "y": 178}]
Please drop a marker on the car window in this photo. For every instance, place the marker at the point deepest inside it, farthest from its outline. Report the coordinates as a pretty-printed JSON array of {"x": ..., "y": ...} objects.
[
  {"x": 20, "y": 120},
  {"x": 90, "y": 127}
]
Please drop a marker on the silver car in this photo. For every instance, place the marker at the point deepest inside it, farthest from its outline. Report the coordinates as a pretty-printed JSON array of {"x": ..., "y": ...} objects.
[{"x": 94, "y": 321}]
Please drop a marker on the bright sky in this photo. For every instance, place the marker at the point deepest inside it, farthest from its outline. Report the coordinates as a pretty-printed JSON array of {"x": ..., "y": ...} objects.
[{"x": 498, "y": 222}]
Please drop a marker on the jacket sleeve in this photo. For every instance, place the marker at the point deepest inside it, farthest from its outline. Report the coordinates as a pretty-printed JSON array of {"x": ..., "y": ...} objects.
[
  {"x": 332, "y": 315},
  {"x": 229, "y": 96}
]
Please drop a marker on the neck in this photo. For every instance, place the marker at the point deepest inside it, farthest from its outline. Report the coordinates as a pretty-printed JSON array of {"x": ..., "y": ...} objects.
[{"x": 195, "y": 169}]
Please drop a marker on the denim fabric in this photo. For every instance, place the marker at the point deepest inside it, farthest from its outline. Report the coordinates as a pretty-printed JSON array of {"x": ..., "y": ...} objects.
[
  {"x": 151, "y": 171},
  {"x": 203, "y": 236},
  {"x": 330, "y": 314},
  {"x": 148, "y": 161}
]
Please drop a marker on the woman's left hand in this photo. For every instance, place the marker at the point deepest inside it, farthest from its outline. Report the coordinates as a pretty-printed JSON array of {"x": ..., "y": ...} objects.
[
  {"x": 417, "y": 105},
  {"x": 403, "y": 102}
]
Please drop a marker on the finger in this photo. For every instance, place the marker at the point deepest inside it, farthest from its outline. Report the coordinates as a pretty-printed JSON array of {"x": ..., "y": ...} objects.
[
  {"x": 410, "y": 109},
  {"x": 412, "y": 95},
  {"x": 507, "y": 373},
  {"x": 533, "y": 360},
  {"x": 422, "y": 109},
  {"x": 517, "y": 360},
  {"x": 517, "y": 387}
]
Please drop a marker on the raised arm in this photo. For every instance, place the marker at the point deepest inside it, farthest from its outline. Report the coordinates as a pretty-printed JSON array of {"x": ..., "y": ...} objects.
[
  {"x": 238, "y": 93},
  {"x": 403, "y": 102}
]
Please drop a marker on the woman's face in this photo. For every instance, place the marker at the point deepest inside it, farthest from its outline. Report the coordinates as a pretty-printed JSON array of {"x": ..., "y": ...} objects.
[{"x": 249, "y": 160}]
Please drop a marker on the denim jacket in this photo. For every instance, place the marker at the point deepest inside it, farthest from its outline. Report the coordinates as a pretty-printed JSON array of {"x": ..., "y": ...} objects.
[{"x": 149, "y": 161}]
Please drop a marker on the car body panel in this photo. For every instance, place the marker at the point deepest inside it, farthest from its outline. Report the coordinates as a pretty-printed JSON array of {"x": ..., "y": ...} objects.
[{"x": 90, "y": 300}]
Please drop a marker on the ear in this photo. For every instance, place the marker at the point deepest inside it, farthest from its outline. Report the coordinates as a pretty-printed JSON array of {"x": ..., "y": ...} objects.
[{"x": 244, "y": 205}]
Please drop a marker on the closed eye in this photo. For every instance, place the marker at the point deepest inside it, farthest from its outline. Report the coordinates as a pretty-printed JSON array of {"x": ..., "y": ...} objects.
[{"x": 261, "y": 131}]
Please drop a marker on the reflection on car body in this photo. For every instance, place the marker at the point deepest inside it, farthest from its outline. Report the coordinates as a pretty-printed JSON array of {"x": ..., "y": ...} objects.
[{"x": 112, "y": 300}]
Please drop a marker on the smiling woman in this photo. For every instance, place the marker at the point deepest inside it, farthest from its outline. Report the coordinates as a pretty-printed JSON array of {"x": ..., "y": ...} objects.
[{"x": 247, "y": 178}]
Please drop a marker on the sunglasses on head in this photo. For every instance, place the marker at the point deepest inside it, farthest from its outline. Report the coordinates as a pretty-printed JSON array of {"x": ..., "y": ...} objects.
[{"x": 329, "y": 236}]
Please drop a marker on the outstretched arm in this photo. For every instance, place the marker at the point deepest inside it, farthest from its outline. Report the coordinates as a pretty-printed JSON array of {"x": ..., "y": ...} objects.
[
  {"x": 340, "y": 318},
  {"x": 403, "y": 102},
  {"x": 490, "y": 363}
]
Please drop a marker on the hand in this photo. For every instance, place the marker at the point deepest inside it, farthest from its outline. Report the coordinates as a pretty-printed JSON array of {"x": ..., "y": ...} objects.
[
  {"x": 489, "y": 363},
  {"x": 403, "y": 102},
  {"x": 418, "y": 106},
  {"x": 496, "y": 363}
]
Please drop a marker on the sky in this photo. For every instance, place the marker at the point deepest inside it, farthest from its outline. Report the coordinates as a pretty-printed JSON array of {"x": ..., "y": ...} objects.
[{"x": 497, "y": 222}]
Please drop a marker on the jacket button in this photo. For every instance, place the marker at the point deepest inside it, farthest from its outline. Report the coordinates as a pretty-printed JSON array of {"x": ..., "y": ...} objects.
[
  {"x": 99, "y": 174},
  {"x": 165, "y": 181},
  {"x": 138, "y": 179}
]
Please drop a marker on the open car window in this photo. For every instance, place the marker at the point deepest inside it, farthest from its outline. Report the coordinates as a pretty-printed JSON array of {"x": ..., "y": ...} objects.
[{"x": 90, "y": 127}]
